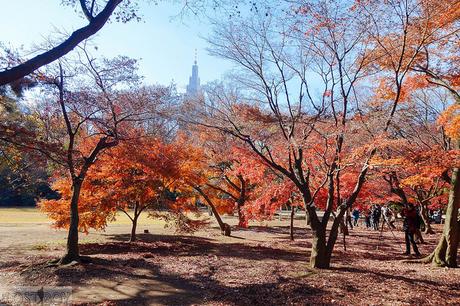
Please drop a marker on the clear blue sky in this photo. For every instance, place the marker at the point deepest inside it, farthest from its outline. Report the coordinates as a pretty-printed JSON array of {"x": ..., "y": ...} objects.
[{"x": 165, "y": 46}]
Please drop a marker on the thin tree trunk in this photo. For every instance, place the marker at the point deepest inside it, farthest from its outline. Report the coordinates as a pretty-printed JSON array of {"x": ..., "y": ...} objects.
[
  {"x": 72, "y": 249},
  {"x": 133, "y": 230},
  {"x": 307, "y": 220},
  {"x": 424, "y": 214},
  {"x": 134, "y": 222},
  {"x": 241, "y": 200},
  {"x": 291, "y": 227},
  {"x": 224, "y": 227},
  {"x": 344, "y": 228}
]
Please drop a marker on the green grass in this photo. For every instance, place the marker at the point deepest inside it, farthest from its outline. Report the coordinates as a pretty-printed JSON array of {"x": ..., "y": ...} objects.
[{"x": 20, "y": 215}]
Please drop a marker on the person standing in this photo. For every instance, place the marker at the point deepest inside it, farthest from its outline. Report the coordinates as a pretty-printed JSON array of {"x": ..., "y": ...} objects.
[
  {"x": 355, "y": 215},
  {"x": 388, "y": 216},
  {"x": 376, "y": 217},
  {"x": 410, "y": 227},
  {"x": 367, "y": 217}
]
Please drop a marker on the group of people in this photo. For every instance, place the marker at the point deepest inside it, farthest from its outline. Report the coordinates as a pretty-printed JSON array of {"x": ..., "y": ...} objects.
[
  {"x": 411, "y": 224},
  {"x": 373, "y": 216}
]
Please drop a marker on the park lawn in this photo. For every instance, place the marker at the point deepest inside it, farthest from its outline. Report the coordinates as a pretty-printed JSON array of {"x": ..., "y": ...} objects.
[
  {"x": 28, "y": 215},
  {"x": 256, "y": 266},
  {"x": 20, "y": 215}
]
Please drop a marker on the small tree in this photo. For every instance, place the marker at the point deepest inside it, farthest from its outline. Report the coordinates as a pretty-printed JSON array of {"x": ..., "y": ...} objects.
[
  {"x": 92, "y": 111},
  {"x": 133, "y": 178}
]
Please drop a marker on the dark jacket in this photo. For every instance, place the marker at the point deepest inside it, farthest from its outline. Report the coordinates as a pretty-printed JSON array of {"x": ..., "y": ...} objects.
[{"x": 411, "y": 220}]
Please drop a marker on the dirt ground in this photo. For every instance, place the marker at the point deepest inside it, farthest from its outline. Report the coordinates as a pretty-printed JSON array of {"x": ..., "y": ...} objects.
[{"x": 257, "y": 266}]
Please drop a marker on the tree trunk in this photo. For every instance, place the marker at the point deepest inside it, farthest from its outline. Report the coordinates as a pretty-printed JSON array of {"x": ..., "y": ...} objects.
[
  {"x": 319, "y": 258},
  {"x": 424, "y": 214},
  {"x": 291, "y": 227},
  {"x": 307, "y": 220},
  {"x": 241, "y": 200},
  {"x": 134, "y": 222},
  {"x": 348, "y": 222},
  {"x": 241, "y": 220},
  {"x": 224, "y": 227},
  {"x": 72, "y": 251},
  {"x": 334, "y": 234},
  {"x": 344, "y": 228},
  {"x": 133, "y": 230},
  {"x": 445, "y": 254}
]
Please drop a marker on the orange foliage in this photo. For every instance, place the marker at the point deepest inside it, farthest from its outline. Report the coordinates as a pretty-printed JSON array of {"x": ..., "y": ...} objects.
[
  {"x": 145, "y": 172},
  {"x": 450, "y": 121}
]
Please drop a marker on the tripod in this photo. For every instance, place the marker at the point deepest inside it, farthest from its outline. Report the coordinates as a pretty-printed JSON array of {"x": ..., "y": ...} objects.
[{"x": 391, "y": 230}]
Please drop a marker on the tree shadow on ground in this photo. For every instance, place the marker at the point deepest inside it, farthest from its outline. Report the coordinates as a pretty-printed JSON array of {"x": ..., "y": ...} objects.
[
  {"x": 165, "y": 245},
  {"x": 379, "y": 276},
  {"x": 276, "y": 230},
  {"x": 382, "y": 246},
  {"x": 157, "y": 287}
]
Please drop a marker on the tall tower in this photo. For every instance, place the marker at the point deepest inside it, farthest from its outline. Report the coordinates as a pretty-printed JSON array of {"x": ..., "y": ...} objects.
[{"x": 193, "y": 87}]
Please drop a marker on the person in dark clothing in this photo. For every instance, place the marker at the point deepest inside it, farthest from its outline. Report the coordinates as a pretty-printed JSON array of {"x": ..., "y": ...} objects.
[
  {"x": 437, "y": 216},
  {"x": 367, "y": 216},
  {"x": 376, "y": 213},
  {"x": 410, "y": 227},
  {"x": 355, "y": 215}
]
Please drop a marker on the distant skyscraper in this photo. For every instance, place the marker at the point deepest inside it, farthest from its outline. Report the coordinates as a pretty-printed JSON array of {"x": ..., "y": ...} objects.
[{"x": 193, "y": 87}]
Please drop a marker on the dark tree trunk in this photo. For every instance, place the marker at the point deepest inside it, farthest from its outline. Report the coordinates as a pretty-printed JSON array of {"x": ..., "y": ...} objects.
[
  {"x": 344, "y": 228},
  {"x": 134, "y": 222},
  {"x": 241, "y": 200},
  {"x": 334, "y": 234},
  {"x": 72, "y": 250},
  {"x": 132, "y": 238},
  {"x": 319, "y": 258}
]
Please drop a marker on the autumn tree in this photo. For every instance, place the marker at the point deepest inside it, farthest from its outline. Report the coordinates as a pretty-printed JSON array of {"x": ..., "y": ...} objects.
[
  {"x": 137, "y": 176},
  {"x": 423, "y": 28},
  {"x": 86, "y": 114},
  {"x": 445, "y": 253},
  {"x": 299, "y": 135},
  {"x": 416, "y": 157},
  {"x": 226, "y": 173},
  {"x": 439, "y": 68},
  {"x": 196, "y": 179}
]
